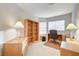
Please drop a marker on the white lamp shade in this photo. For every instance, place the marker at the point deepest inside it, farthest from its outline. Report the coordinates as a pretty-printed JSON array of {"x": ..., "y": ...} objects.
[
  {"x": 18, "y": 25},
  {"x": 71, "y": 26}
]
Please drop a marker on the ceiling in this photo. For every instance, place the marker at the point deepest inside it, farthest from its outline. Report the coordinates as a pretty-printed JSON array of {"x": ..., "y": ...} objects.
[
  {"x": 34, "y": 10},
  {"x": 46, "y": 10},
  {"x": 11, "y": 12}
]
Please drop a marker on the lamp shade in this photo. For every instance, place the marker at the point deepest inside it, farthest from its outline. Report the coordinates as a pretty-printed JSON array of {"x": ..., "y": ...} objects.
[
  {"x": 18, "y": 25},
  {"x": 71, "y": 26}
]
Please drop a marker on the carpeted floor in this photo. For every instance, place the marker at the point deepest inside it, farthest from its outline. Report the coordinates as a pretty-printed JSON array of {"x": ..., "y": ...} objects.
[{"x": 39, "y": 49}]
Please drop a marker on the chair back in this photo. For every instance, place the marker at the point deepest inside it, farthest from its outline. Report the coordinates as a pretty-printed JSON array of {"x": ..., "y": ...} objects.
[{"x": 53, "y": 34}]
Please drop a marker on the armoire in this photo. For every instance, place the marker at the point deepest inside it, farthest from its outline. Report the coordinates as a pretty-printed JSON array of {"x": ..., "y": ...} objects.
[{"x": 31, "y": 30}]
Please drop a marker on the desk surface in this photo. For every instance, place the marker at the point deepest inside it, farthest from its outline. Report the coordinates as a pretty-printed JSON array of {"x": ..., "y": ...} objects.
[{"x": 70, "y": 45}]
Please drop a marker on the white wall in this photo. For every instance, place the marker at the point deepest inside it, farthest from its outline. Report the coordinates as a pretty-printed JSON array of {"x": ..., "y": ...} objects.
[
  {"x": 77, "y": 21},
  {"x": 77, "y": 18},
  {"x": 6, "y": 27}
]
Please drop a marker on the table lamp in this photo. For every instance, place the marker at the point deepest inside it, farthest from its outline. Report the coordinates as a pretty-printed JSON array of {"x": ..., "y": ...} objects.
[
  {"x": 71, "y": 27},
  {"x": 18, "y": 26}
]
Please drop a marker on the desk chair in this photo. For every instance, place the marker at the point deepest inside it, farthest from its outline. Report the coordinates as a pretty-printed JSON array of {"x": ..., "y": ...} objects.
[{"x": 53, "y": 35}]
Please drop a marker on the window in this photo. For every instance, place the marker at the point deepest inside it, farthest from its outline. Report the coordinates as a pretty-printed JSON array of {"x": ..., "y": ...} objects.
[
  {"x": 51, "y": 25},
  {"x": 42, "y": 27},
  {"x": 57, "y": 25}
]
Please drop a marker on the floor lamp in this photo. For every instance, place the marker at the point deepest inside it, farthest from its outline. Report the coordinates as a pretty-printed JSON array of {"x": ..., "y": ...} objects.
[{"x": 18, "y": 26}]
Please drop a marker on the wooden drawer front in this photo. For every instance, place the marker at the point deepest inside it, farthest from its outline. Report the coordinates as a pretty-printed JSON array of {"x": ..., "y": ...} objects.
[
  {"x": 65, "y": 52},
  {"x": 12, "y": 50}
]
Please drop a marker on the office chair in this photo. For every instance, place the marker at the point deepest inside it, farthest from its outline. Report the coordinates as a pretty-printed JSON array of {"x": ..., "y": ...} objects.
[{"x": 53, "y": 35}]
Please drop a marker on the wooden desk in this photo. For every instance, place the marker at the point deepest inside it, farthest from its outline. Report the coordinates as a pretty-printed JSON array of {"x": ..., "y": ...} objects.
[
  {"x": 14, "y": 47},
  {"x": 59, "y": 37},
  {"x": 69, "y": 48}
]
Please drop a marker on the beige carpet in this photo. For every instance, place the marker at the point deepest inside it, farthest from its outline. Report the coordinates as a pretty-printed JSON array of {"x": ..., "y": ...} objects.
[{"x": 39, "y": 49}]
